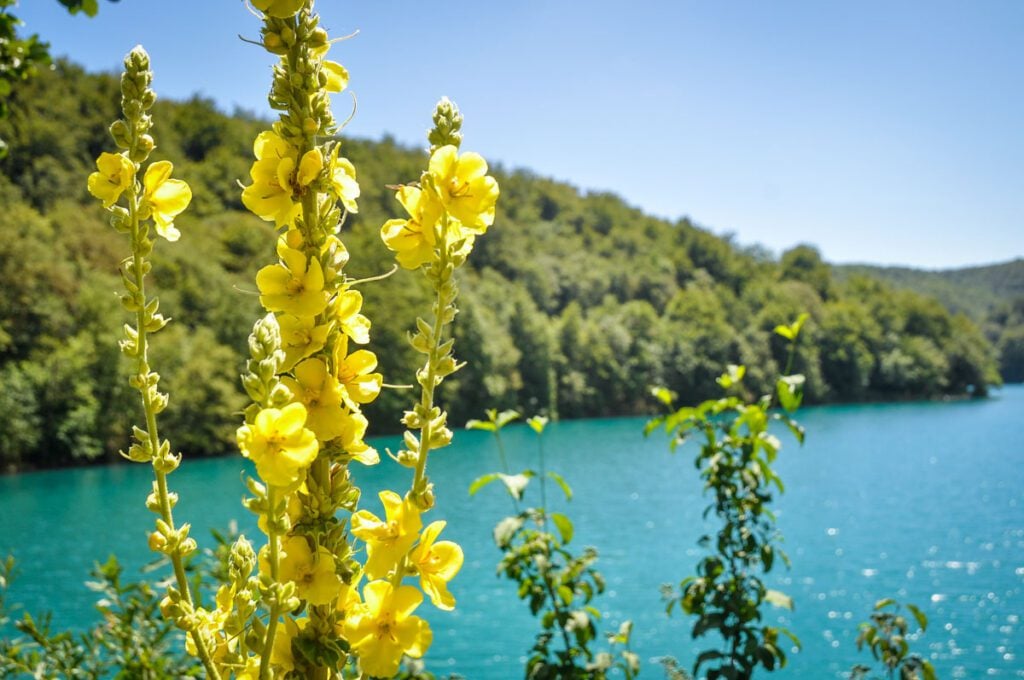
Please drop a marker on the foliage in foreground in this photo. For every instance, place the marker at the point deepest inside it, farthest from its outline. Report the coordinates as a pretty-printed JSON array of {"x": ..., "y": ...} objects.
[
  {"x": 888, "y": 636},
  {"x": 130, "y": 642},
  {"x": 728, "y": 594},
  {"x": 558, "y": 585}
]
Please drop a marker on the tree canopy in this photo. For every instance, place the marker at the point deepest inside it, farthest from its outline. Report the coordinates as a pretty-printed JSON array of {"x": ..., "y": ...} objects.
[{"x": 573, "y": 304}]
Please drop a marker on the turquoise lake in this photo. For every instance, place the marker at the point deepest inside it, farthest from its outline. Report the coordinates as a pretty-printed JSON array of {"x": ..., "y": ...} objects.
[{"x": 920, "y": 501}]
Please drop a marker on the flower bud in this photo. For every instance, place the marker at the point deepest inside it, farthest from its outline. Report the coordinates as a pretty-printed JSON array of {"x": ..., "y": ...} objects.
[
  {"x": 157, "y": 541},
  {"x": 119, "y": 131}
]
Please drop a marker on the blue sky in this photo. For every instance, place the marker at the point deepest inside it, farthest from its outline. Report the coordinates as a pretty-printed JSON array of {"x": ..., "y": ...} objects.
[{"x": 881, "y": 132}]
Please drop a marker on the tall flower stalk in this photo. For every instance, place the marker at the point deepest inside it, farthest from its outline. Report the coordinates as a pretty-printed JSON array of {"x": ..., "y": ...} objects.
[
  {"x": 308, "y": 380},
  {"x": 134, "y": 206},
  {"x": 451, "y": 204},
  {"x": 305, "y": 376}
]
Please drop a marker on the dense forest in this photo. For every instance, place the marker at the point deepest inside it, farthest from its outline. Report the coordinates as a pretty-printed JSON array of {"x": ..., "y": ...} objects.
[
  {"x": 992, "y": 295},
  {"x": 574, "y": 304}
]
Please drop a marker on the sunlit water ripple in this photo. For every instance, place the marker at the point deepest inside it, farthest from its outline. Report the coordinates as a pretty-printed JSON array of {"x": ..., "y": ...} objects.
[{"x": 921, "y": 501}]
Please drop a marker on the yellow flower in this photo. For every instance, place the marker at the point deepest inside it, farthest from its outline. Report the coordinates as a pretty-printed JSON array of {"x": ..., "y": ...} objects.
[
  {"x": 353, "y": 429},
  {"x": 278, "y": 177},
  {"x": 279, "y": 444},
  {"x": 282, "y": 9},
  {"x": 382, "y": 629},
  {"x": 345, "y": 311},
  {"x": 309, "y": 167},
  {"x": 300, "y": 338},
  {"x": 315, "y": 579},
  {"x": 114, "y": 173},
  {"x": 343, "y": 179},
  {"x": 209, "y": 625},
  {"x": 348, "y": 598},
  {"x": 251, "y": 670},
  {"x": 281, "y": 653},
  {"x": 413, "y": 239},
  {"x": 354, "y": 372},
  {"x": 388, "y": 541},
  {"x": 337, "y": 76},
  {"x": 464, "y": 187},
  {"x": 166, "y": 198},
  {"x": 437, "y": 564},
  {"x": 270, "y": 194},
  {"x": 295, "y": 287},
  {"x": 321, "y": 394}
]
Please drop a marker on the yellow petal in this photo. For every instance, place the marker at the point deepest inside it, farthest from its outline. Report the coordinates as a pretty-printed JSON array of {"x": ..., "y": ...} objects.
[
  {"x": 273, "y": 279},
  {"x": 404, "y": 601},
  {"x": 156, "y": 174},
  {"x": 291, "y": 419},
  {"x": 310, "y": 166},
  {"x": 442, "y": 162},
  {"x": 414, "y": 636},
  {"x": 337, "y": 76}
]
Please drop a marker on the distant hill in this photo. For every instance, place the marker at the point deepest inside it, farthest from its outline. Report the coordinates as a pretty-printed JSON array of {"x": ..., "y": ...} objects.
[
  {"x": 974, "y": 291},
  {"x": 991, "y": 295},
  {"x": 574, "y": 304}
]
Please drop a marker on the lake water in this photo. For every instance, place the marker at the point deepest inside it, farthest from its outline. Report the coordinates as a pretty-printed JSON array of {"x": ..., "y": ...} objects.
[{"x": 920, "y": 501}]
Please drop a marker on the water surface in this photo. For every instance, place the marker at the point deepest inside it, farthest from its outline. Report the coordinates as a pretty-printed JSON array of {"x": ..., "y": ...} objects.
[{"x": 920, "y": 501}]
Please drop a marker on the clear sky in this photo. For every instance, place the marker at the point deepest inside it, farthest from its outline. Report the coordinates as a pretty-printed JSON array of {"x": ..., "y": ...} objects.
[{"x": 883, "y": 132}]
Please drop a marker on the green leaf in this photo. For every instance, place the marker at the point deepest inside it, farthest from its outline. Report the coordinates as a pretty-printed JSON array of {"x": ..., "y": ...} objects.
[
  {"x": 791, "y": 331},
  {"x": 733, "y": 375},
  {"x": 506, "y": 417},
  {"x": 929, "y": 670},
  {"x": 790, "y": 389},
  {"x": 564, "y": 526},
  {"x": 481, "y": 425},
  {"x": 778, "y": 598},
  {"x": 795, "y": 428},
  {"x": 882, "y": 604},
  {"x": 796, "y": 641},
  {"x": 664, "y": 395},
  {"x": 566, "y": 489},
  {"x": 537, "y": 423},
  {"x": 798, "y": 325},
  {"x": 482, "y": 481},
  {"x": 516, "y": 484},
  {"x": 922, "y": 620},
  {"x": 652, "y": 425},
  {"x": 785, "y": 331}
]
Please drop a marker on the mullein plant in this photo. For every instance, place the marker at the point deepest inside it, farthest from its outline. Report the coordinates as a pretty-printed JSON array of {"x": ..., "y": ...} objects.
[
  {"x": 451, "y": 204},
  {"x": 140, "y": 195},
  {"x": 308, "y": 381},
  {"x": 295, "y": 608}
]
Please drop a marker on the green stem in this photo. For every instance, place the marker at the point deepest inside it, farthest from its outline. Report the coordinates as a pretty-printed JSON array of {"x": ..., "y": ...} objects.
[
  {"x": 792, "y": 355},
  {"x": 559, "y": 616},
  {"x": 275, "y": 561},
  {"x": 427, "y": 395},
  {"x": 427, "y": 391},
  {"x": 142, "y": 349},
  {"x": 504, "y": 466},
  {"x": 543, "y": 475}
]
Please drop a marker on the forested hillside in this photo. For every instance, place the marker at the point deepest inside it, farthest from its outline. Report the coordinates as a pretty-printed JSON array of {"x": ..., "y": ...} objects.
[
  {"x": 573, "y": 304},
  {"x": 992, "y": 295}
]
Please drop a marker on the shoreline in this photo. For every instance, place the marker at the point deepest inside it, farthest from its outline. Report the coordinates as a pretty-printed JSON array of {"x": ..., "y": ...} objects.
[{"x": 106, "y": 461}]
